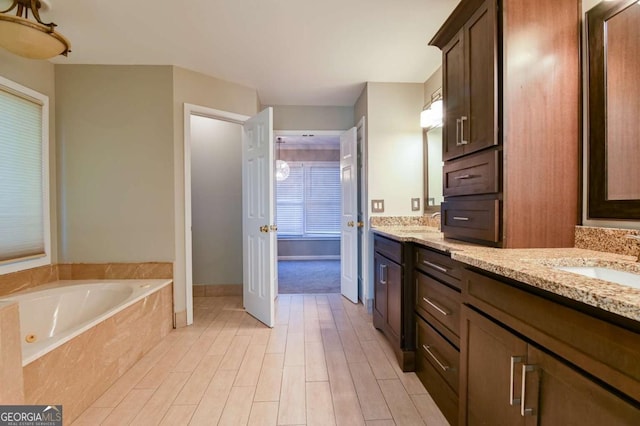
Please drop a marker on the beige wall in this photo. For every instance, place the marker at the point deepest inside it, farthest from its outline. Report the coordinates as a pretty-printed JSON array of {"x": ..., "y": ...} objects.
[
  {"x": 115, "y": 156},
  {"x": 198, "y": 89},
  {"x": 216, "y": 201},
  {"x": 38, "y": 76},
  {"x": 433, "y": 83},
  {"x": 394, "y": 145},
  {"x": 312, "y": 117}
]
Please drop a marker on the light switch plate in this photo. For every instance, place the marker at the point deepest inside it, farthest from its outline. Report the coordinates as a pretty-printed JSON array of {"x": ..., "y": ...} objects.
[
  {"x": 377, "y": 206},
  {"x": 415, "y": 204}
]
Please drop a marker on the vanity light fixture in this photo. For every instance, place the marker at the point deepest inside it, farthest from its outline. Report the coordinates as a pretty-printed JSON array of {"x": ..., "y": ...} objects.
[
  {"x": 282, "y": 167},
  {"x": 431, "y": 115},
  {"x": 32, "y": 39}
]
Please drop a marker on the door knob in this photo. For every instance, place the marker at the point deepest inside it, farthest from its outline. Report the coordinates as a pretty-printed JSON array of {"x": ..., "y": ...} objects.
[
  {"x": 351, "y": 224},
  {"x": 360, "y": 224},
  {"x": 273, "y": 228},
  {"x": 264, "y": 228}
]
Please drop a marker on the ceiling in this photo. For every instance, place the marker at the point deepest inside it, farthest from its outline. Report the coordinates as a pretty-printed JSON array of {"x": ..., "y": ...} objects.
[{"x": 294, "y": 52}]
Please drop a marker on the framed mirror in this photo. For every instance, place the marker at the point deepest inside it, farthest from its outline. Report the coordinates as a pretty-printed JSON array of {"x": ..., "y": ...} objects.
[
  {"x": 613, "y": 34},
  {"x": 432, "y": 148}
]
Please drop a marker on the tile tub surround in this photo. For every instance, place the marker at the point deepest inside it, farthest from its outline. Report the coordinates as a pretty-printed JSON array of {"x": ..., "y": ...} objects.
[
  {"x": 11, "y": 382},
  {"x": 611, "y": 240},
  {"x": 30, "y": 278},
  {"x": 115, "y": 271},
  {"x": 78, "y": 372},
  {"x": 535, "y": 267}
]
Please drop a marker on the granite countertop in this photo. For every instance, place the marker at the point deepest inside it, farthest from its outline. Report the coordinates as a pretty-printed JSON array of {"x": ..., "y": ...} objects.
[{"x": 535, "y": 267}]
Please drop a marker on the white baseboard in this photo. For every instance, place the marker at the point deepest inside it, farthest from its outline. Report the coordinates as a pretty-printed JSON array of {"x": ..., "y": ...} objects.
[{"x": 330, "y": 257}]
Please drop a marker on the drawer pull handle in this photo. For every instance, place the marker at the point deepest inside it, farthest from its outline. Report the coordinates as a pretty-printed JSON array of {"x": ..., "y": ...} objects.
[
  {"x": 435, "y": 358},
  {"x": 434, "y": 266},
  {"x": 524, "y": 411},
  {"x": 512, "y": 399},
  {"x": 436, "y": 307},
  {"x": 462, "y": 218},
  {"x": 462, "y": 177}
]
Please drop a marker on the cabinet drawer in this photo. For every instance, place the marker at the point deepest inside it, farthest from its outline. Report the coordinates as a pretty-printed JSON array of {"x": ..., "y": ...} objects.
[
  {"x": 472, "y": 219},
  {"x": 442, "y": 302},
  {"x": 444, "y": 397},
  {"x": 439, "y": 265},
  {"x": 389, "y": 248},
  {"x": 474, "y": 174},
  {"x": 442, "y": 356}
]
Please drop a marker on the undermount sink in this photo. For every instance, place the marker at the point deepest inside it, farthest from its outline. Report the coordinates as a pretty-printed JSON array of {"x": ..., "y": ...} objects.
[{"x": 621, "y": 277}]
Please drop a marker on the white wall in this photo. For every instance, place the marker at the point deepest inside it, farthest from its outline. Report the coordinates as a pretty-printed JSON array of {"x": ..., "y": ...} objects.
[
  {"x": 288, "y": 117},
  {"x": 394, "y": 146},
  {"x": 115, "y": 157},
  {"x": 216, "y": 200}
]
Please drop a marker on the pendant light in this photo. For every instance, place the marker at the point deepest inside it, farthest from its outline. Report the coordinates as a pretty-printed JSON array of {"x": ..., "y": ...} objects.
[
  {"x": 29, "y": 38},
  {"x": 282, "y": 167}
]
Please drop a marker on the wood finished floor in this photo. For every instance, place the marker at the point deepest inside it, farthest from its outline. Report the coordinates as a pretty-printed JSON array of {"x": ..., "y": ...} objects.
[{"x": 322, "y": 364}]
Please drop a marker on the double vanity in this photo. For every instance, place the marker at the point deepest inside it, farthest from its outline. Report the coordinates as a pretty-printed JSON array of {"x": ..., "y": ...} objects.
[{"x": 509, "y": 336}]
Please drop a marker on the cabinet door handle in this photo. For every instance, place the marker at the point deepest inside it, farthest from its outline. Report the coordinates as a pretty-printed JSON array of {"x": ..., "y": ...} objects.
[
  {"x": 524, "y": 411},
  {"x": 463, "y": 177},
  {"x": 458, "y": 121},
  {"x": 434, "y": 266},
  {"x": 461, "y": 218},
  {"x": 436, "y": 307},
  {"x": 444, "y": 367},
  {"x": 462, "y": 141},
  {"x": 383, "y": 273},
  {"x": 512, "y": 399}
]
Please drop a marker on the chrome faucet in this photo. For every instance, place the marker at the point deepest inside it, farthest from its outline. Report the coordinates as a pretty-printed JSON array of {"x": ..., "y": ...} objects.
[
  {"x": 637, "y": 238},
  {"x": 434, "y": 215}
]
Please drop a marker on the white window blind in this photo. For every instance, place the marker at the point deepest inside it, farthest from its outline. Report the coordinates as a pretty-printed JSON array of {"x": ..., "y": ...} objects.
[
  {"x": 308, "y": 201},
  {"x": 23, "y": 220}
]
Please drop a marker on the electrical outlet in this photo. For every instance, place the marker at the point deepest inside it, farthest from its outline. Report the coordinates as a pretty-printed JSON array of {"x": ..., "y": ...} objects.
[
  {"x": 377, "y": 206},
  {"x": 415, "y": 204}
]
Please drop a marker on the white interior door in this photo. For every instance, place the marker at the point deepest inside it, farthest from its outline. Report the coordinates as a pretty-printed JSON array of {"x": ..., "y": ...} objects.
[
  {"x": 258, "y": 225},
  {"x": 349, "y": 229}
]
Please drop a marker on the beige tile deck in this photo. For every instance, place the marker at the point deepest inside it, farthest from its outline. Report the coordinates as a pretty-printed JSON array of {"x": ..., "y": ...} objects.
[{"x": 323, "y": 363}]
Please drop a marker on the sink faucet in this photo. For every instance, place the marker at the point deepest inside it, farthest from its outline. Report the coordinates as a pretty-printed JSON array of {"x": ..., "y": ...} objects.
[
  {"x": 436, "y": 214},
  {"x": 637, "y": 238}
]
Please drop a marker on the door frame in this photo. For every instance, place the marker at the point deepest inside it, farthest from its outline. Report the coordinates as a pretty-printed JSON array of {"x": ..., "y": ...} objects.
[{"x": 186, "y": 255}]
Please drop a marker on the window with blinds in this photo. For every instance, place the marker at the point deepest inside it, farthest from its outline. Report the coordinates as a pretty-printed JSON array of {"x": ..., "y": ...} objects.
[
  {"x": 24, "y": 186},
  {"x": 308, "y": 201}
]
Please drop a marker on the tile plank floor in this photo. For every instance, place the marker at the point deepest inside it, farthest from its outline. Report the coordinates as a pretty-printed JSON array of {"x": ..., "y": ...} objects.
[{"x": 322, "y": 364}]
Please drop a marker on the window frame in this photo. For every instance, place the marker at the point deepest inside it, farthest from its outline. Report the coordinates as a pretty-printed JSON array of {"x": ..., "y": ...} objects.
[
  {"x": 305, "y": 165},
  {"x": 21, "y": 264}
]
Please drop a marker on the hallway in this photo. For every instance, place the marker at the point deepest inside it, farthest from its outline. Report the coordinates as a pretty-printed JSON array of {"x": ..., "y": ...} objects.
[{"x": 323, "y": 363}]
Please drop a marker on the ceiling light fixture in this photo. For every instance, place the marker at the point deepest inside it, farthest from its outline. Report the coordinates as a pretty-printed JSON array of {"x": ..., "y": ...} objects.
[{"x": 31, "y": 39}]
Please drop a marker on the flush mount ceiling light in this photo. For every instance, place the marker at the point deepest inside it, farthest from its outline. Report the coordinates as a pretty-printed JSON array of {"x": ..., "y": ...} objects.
[{"x": 28, "y": 38}]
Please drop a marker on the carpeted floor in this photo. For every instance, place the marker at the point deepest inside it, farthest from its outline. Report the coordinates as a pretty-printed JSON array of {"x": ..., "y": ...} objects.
[{"x": 308, "y": 276}]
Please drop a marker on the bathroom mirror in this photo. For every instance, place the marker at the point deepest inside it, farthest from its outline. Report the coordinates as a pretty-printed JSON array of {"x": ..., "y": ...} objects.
[
  {"x": 613, "y": 33},
  {"x": 432, "y": 148}
]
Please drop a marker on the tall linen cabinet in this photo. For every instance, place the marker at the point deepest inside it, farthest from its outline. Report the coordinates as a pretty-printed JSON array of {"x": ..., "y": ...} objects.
[{"x": 511, "y": 138}]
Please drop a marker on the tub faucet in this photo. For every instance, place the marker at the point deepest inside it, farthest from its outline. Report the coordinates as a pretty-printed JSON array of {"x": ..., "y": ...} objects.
[
  {"x": 637, "y": 238},
  {"x": 434, "y": 215}
]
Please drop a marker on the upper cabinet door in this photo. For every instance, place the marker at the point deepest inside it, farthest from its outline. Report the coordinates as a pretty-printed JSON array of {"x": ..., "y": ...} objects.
[
  {"x": 469, "y": 73},
  {"x": 454, "y": 96},
  {"x": 479, "y": 124}
]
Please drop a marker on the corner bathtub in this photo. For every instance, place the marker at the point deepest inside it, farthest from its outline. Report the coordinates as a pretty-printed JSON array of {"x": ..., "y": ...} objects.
[{"x": 58, "y": 312}]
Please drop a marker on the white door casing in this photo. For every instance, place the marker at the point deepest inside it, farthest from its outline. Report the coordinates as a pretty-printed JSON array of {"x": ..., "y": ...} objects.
[
  {"x": 258, "y": 213},
  {"x": 349, "y": 215}
]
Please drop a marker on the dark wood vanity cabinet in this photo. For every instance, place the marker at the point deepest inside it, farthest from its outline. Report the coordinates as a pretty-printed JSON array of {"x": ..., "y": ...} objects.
[
  {"x": 393, "y": 299},
  {"x": 509, "y": 148},
  {"x": 437, "y": 307},
  {"x": 527, "y": 360}
]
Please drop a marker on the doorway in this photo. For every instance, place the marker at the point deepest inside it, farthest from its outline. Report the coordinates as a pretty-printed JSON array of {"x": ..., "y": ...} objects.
[{"x": 308, "y": 212}]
